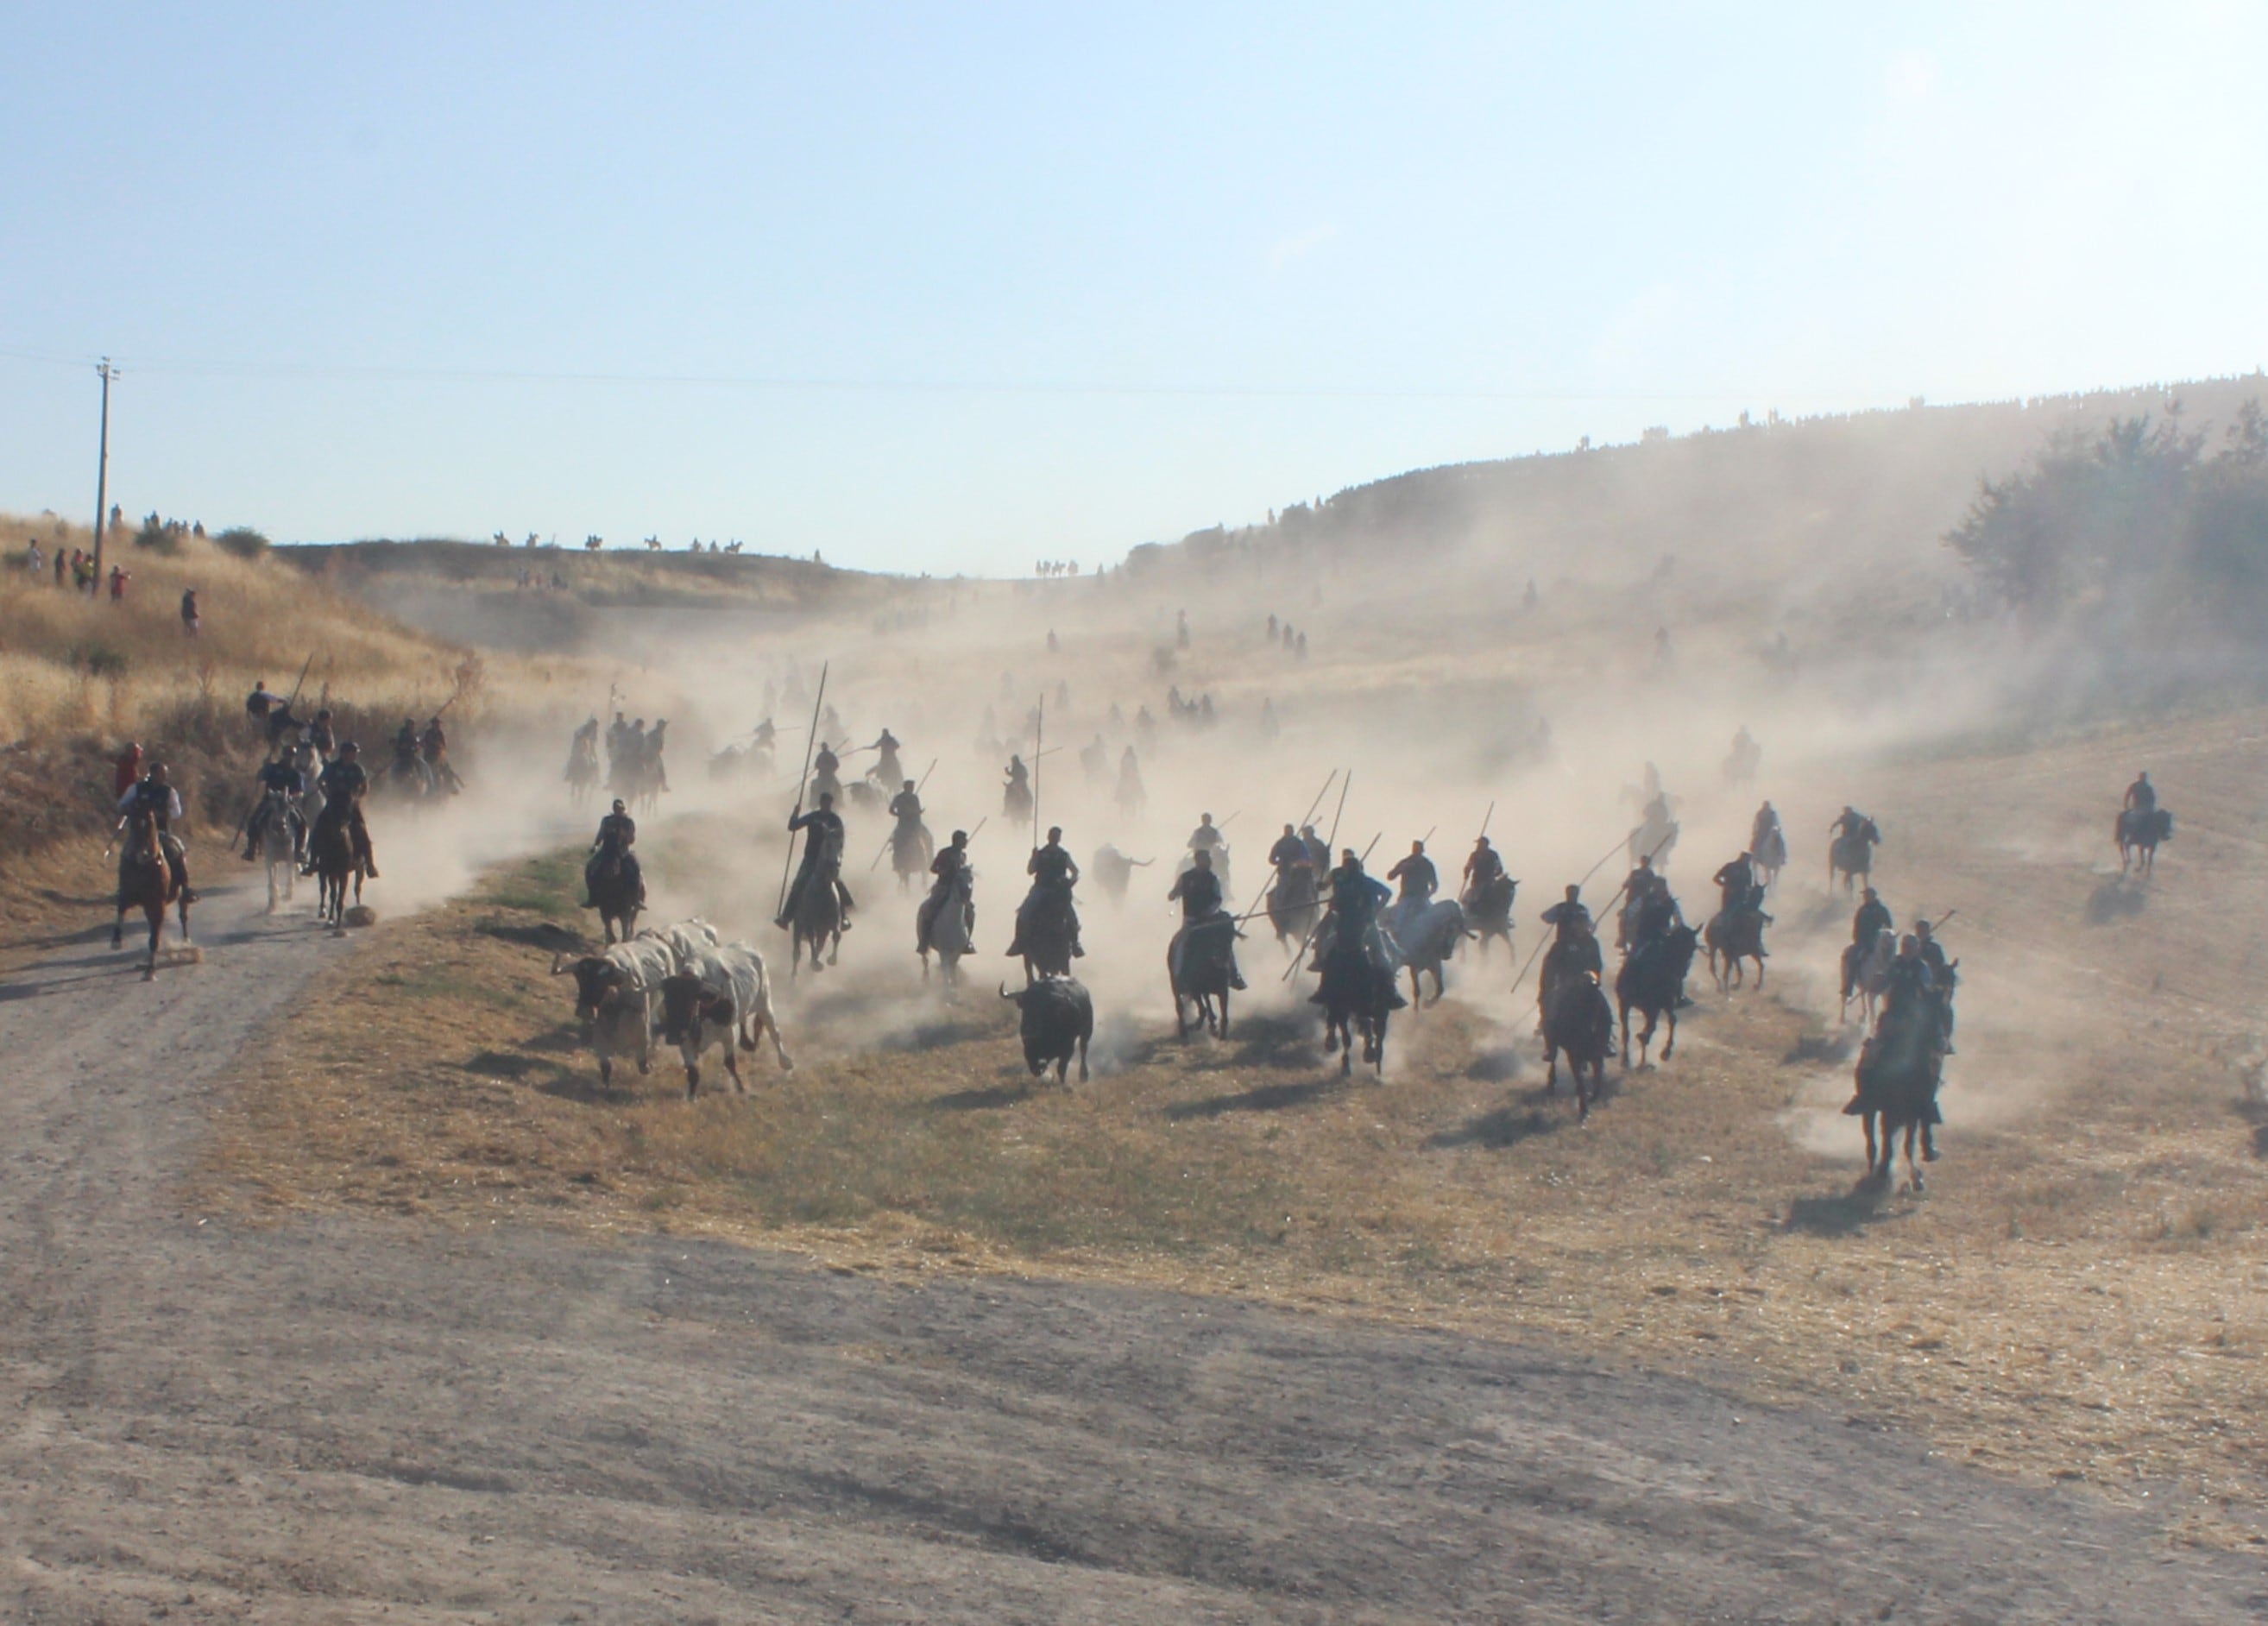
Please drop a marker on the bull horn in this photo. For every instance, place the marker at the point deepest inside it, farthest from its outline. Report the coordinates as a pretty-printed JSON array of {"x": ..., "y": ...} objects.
[
  {"x": 558, "y": 964},
  {"x": 1004, "y": 994}
]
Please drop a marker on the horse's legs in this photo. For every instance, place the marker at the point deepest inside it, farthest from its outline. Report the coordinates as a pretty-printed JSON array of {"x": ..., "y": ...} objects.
[
  {"x": 1224, "y": 1012},
  {"x": 1669, "y": 1046},
  {"x": 1624, "y": 1010},
  {"x": 1760, "y": 973},
  {"x": 1867, "y": 1121}
]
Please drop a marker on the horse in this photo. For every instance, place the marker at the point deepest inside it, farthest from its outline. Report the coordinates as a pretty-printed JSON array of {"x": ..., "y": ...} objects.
[
  {"x": 582, "y": 773},
  {"x": 1851, "y": 856},
  {"x": 1568, "y": 958},
  {"x": 1652, "y": 981},
  {"x": 146, "y": 882},
  {"x": 1866, "y": 973},
  {"x": 1770, "y": 855},
  {"x": 1488, "y": 909},
  {"x": 1016, "y": 803},
  {"x": 1046, "y": 942},
  {"x": 948, "y": 933},
  {"x": 1197, "y": 970},
  {"x": 818, "y": 923},
  {"x": 1579, "y": 1020},
  {"x": 1738, "y": 935},
  {"x": 1897, "y": 1077},
  {"x": 408, "y": 779},
  {"x": 330, "y": 849},
  {"x": 2138, "y": 835},
  {"x": 1356, "y": 997},
  {"x": 1656, "y": 837},
  {"x": 615, "y": 894},
  {"x": 274, "y": 847},
  {"x": 911, "y": 849},
  {"x": 1292, "y": 906},
  {"x": 1428, "y": 937}
]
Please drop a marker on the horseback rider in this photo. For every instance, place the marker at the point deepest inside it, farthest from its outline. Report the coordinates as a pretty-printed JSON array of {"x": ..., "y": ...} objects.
[
  {"x": 405, "y": 742},
  {"x": 1913, "y": 985},
  {"x": 2142, "y": 797},
  {"x": 1053, "y": 872},
  {"x": 153, "y": 797},
  {"x": 1318, "y": 850},
  {"x": 1873, "y": 917},
  {"x": 1850, "y": 822},
  {"x": 343, "y": 784},
  {"x": 1290, "y": 852},
  {"x": 1356, "y": 900},
  {"x": 617, "y": 735},
  {"x": 651, "y": 760},
  {"x": 1942, "y": 975},
  {"x": 822, "y": 853},
  {"x": 433, "y": 748},
  {"x": 951, "y": 868},
  {"x": 825, "y": 775},
  {"x": 322, "y": 736},
  {"x": 257, "y": 703},
  {"x": 1206, "y": 838},
  {"x": 906, "y": 808},
  {"x": 287, "y": 781},
  {"x": 887, "y": 769},
  {"x": 1419, "y": 880},
  {"x": 1738, "y": 891},
  {"x": 1570, "y": 919},
  {"x": 610, "y": 852},
  {"x": 1130, "y": 796},
  {"x": 1483, "y": 866},
  {"x": 1197, "y": 889},
  {"x": 1764, "y": 829}
]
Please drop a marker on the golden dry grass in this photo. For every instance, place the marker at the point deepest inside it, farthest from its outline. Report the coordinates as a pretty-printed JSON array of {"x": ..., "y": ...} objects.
[{"x": 2078, "y": 1297}]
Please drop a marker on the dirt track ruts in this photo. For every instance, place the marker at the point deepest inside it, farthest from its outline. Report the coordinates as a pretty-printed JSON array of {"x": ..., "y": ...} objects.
[{"x": 348, "y": 1420}]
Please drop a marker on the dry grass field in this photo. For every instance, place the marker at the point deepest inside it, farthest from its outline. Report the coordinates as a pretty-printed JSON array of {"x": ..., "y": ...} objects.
[{"x": 2078, "y": 1296}]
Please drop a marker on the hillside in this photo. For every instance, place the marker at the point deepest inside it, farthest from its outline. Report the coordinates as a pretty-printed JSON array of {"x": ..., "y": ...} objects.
[{"x": 546, "y": 599}]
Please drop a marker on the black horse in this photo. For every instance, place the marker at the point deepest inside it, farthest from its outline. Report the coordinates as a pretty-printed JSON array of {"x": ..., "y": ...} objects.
[
  {"x": 1577, "y": 1020},
  {"x": 1197, "y": 968},
  {"x": 1652, "y": 981},
  {"x": 1291, "y": 906},
  {"x": 1898, "y": 1076},
  {"x": 2138, "y": 835},
  {"x": 1356, "y": 997},
  {"x": 1488, "y": 909},
  {"x": 617, "y": 894}
]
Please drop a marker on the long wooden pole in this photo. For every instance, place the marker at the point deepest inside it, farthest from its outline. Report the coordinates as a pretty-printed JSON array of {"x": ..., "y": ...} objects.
[
  {"x": 1038, "y": 750},
  {"x": 810, "y": 743},
  {"x": 1308, "y": 817}
]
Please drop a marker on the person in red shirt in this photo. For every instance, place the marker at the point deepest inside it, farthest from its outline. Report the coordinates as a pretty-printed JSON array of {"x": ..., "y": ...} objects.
[
  {"x": 126, "y": 770},
  {"x": 117, "y": 584}
]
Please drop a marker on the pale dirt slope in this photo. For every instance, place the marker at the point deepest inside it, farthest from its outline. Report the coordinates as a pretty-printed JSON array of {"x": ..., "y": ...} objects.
[{"x": 345, "y": 1420}]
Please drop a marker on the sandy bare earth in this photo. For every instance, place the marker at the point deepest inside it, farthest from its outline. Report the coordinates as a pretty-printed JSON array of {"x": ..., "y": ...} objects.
[{"x": 358, "y": 1421}]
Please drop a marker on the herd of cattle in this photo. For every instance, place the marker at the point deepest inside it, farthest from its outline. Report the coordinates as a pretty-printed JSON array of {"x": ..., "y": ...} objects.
[{"x": 682, "y": 986}]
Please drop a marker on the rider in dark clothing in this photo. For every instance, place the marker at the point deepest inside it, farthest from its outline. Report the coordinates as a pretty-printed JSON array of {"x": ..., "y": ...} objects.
[
  {"x": 1289, "y": 851},
  {"x": 1737, "y": 888},
  {"x": 823, "y": 853},
  {"x": 1355, "y": 901},
  {"x": 1942, "y": 977},
  {"x": 1420, "y": 880},
  {"x": 1198, "y": 891},
  {"x": 279, "y": 777},
  {"x": 1053, "y": 872},
  {"x": 321, "y": 735},
  {"x": 1873, "y": 917},
  {"x": 343, "y": 784},
  {"x": 1484, "y": 866},
  {"x": 610, "y": 849},
  {"x": 1568, "y": 918},
  {"x": 951, "y": 868},
  {"x": 2142, "y": 796},
  {"x": 153, "y": 797},
  {"x": 1849, "y": 822},
  {"x": 886, "y": 769},
  {"x": 1318, "y": 850}
]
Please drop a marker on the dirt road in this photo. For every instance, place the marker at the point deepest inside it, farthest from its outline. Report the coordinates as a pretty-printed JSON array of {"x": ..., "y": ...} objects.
[{"x": 353, "y": 1421}]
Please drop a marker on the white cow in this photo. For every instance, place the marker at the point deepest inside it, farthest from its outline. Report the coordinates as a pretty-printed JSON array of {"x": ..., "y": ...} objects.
[{"x": 617, "y": 994}]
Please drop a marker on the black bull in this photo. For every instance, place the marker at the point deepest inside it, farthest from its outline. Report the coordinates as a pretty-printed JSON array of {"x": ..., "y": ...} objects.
[{"x": 1055, "y": 1020}]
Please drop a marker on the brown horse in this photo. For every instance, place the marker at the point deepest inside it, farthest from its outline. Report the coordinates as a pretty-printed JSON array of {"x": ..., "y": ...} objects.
[
  {"x": 1738, "y": 936},
  {"x": 331, "y": 847},
  {"x": 147, "y": 881}
]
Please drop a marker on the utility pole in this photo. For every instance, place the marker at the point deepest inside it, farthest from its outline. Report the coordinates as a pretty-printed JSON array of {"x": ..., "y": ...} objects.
[{"x": 102, "y": 472}]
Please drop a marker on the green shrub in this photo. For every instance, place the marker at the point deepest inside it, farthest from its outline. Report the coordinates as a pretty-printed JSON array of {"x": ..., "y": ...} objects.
[{"x": 242, "y": 540}]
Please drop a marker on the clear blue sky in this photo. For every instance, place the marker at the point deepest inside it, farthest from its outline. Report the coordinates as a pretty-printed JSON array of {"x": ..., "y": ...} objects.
[{"x": 958, "y": 286}]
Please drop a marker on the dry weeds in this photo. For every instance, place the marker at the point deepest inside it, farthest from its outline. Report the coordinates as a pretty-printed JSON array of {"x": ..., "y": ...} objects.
[{"x": 2077, "y": 1297}]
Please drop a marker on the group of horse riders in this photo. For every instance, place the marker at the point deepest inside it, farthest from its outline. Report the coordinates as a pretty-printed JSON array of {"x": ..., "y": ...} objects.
[{"x": 634, "y": 764}]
